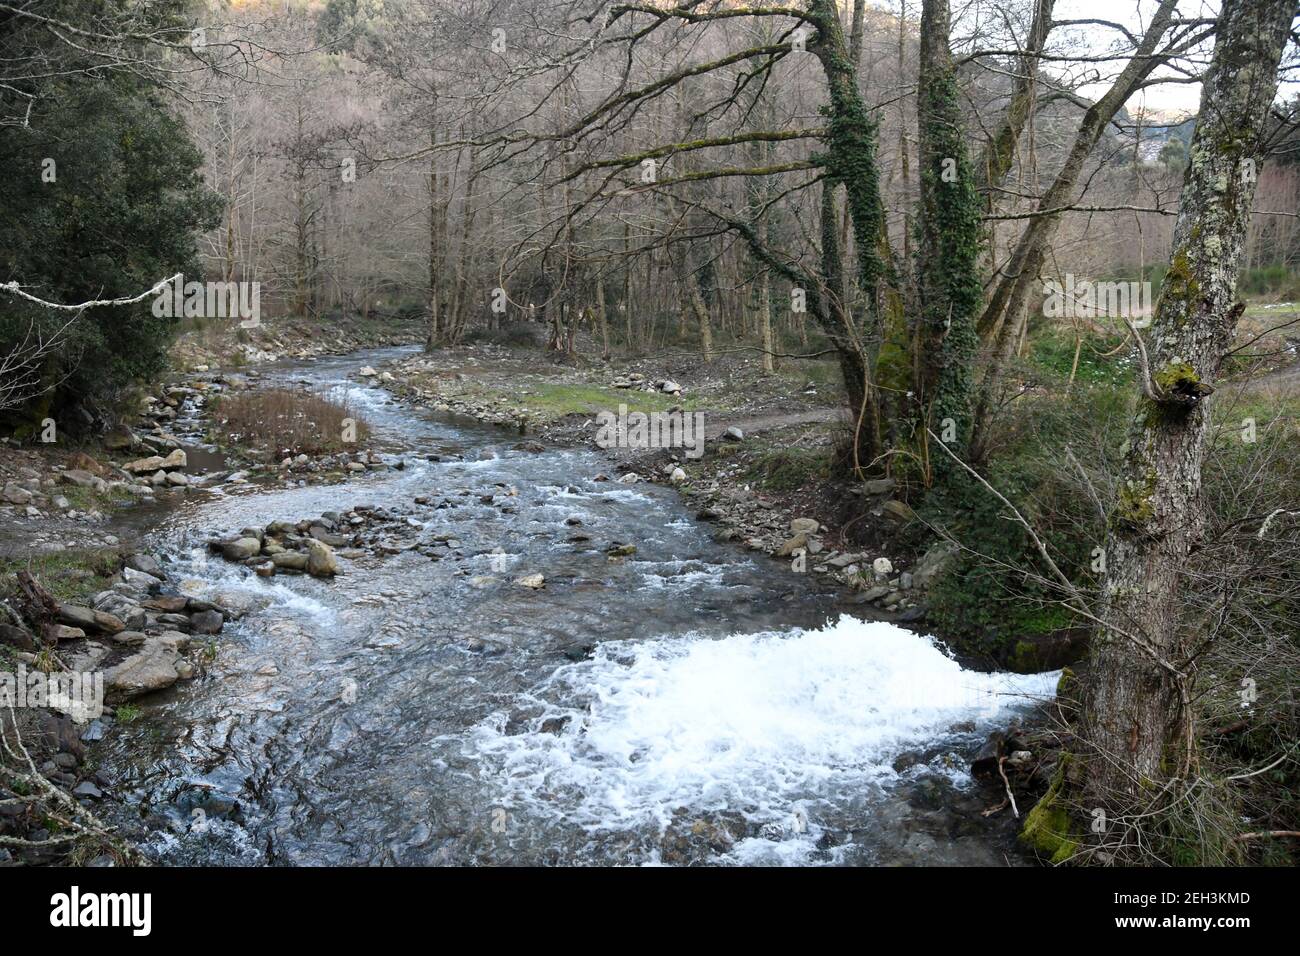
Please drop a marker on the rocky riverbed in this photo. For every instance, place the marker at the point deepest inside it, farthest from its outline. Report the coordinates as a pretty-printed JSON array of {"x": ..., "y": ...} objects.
[{"x": 487, "y": 648}]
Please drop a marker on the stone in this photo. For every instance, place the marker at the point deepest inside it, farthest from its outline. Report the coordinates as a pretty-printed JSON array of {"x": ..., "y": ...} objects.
[
  {"x": 141, "y": 580},
  {"x": 88, "y": 789},
  {"x": 88, "y": 620},
  {"x": 144, "y": 466},
  {"x": 897, "y": 512},
  {"x": 932, "y": 563},
  {"x": 78, "y": 477},
  {"x": 17, "y": 637},
  {"x": 130, "y": 638},
  {"x": 177, "y": 459},
  {"x": 668, "y": 386},
  {"x": 62, "y": 632},
  {"x": 534, "y": 581},
  {"x": 321, "y": 562},
  {"x": 804, "y": 526},
  {"x": 678, "y": 476},
  {"x": 145, "y": 563},
  {"x": 882, "y": 566},
  {"x": 733, "y": 434},
  {"x": 152, "y": 669},
  {"x": 879, "y": 486},
  {"x": 290, "y": 560},
  {"x": 241, "y": 549},
  {"x": 798, "y": 543},
  {"x": 16, "y": 495},
  {"x": 207, "y": 622}
]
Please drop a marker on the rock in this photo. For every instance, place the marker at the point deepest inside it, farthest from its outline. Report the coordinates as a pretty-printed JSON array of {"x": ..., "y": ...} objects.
[
  {"x": 60, "y": 502},
  {"x": 17, "y": 637},
  {"x": 321, "y": 562},
  {"x": 367, "y": 372},
  {"x": 265, "y": 570},
  {"x": 882, "y": 566},
  {"x": 844, "y": 560},
  {"x": 177, "y": 459},
  {"x": 733, "y": 434},
  {"x": 130, "y": 638},
  {"x": 932, "y": 563},
  {"x": 16, "y": 494},
  {"x": 141, "y": 580},
  {"x": 88, "y": 620},
  {"x": 668, "y": 386},
  {"x": 177, "y": 480},
  {"x": 631, "y": 478},
  {"x": 875, "y": 593},
  {"x": 678, "y": 476},
  {"x": 905, "y": 580},
  {"x": 78, "y": 477},
  {"x": 241, "y": 549},
  {"x": 152, "y": 669},
  {"x": 798, "y": 543},
  {"x": 119, "y": 439},
  {"x": 144, "y": 466},
  {"x": 290, "y": 560},
  {"x": 879, "y": 486},
  {"x": 621, "y": 550},
  {"x": 145, "y": 563},
  {"x": 533, "y": 581},
  {"x": 207, "y": 622},
  {"x": 896, "y": 511},
  {"x": 62, "y": 632},
  {"x": 88, "y": 789},
  {"x": 804, "y": 526}
]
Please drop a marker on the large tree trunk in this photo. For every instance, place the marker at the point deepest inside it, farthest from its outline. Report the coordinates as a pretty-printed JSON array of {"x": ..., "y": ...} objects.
[
  {"x": 1136, "y": 717},
  {"x": 949, "y": 235}
]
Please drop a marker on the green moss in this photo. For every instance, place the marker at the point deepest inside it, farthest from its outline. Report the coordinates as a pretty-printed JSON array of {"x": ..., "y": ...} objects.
[
  {"x": 1134, "y": 507},
  {"x": 1047, "y": 826},
  {"x": 1176, "y": 374}
]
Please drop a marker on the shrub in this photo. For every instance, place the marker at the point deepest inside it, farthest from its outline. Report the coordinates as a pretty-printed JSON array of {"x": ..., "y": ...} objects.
[{"x": 279, "y": 422}]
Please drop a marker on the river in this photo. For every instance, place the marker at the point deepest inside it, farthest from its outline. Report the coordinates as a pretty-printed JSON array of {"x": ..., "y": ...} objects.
[{"x": 690, "y": 703}]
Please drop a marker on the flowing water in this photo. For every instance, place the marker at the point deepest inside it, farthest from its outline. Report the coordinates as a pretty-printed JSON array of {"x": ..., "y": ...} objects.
[{"x": 689, "y": 703}]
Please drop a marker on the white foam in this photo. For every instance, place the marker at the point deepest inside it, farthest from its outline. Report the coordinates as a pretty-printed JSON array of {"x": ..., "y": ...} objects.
[{"x": 755, "y": 723}]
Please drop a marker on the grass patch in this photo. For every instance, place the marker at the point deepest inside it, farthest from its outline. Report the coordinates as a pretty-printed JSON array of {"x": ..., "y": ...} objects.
[
  {"x": 789, "y": 469},
  {"x": 556, "y": 401},
  {"x": 71, "y": 576},
  {"x": 279, "y": 422}
]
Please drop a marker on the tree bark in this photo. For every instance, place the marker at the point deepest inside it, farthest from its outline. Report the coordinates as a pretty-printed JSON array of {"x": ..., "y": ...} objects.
[{"x": 1137, "y": 720}]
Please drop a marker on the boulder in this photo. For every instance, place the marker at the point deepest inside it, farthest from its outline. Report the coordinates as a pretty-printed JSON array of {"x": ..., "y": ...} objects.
[
  {"x": 16, "y": 494},
  {"x": 177, "y": 459},
  {"x": 145, "y": 563},
  {"x": 733, "y": 434},
  {"x": 321, "y": 562},
  {"x": 932, "y": 563},
  {"x": 240, "y": 549},
  {"x": 207, "y": 622},
  {"x": 153, "y": 668},
  {"x": 78, "y": 477},
  {"x": 290, "y": 560},
  {"x": 88, "y": 620},
  {"x": 144, "y": 466},
  {"x": 804, "y": 526}
]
